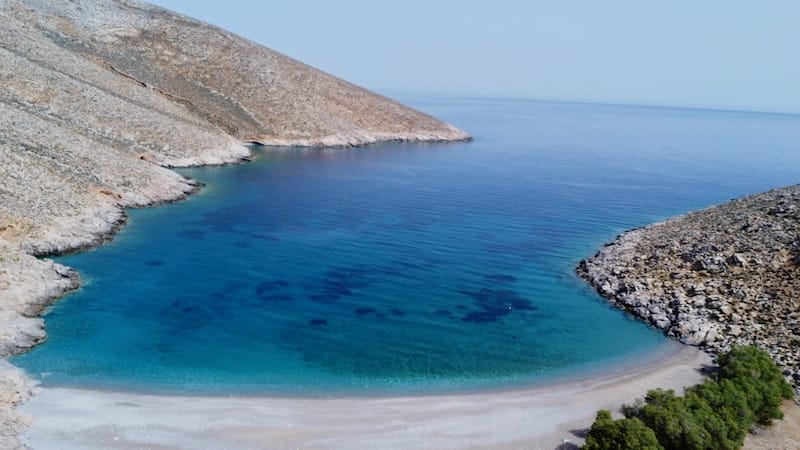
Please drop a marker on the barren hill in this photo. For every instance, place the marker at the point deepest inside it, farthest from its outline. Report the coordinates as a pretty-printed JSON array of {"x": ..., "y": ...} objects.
[{"x": 91, "y": 87}]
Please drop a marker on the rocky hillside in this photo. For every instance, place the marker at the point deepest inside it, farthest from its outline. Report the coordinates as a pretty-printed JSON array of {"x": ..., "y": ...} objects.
[
  {"x": 93, "y": 90},
  {"x": 725, "y": 275},
  {"x": 99, "y": 97}
]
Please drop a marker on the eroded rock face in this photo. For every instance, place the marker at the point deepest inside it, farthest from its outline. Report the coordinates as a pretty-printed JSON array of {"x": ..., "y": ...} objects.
[
  {"x": 714, "y": 278},
  {"x": 27, "y": 285}
]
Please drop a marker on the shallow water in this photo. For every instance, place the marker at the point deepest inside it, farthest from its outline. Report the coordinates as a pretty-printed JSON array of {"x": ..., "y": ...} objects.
[{"x": 402, "y": 268}]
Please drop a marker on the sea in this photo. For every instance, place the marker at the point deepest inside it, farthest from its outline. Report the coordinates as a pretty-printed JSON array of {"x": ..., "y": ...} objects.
[{"x": 403, "y": 268}]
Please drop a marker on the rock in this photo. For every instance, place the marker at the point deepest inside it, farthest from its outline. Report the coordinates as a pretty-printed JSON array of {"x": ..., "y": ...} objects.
[
  {"x": 752, "y": 295},
  {"x": 736, "y": 260},
  {"x": 698, "y": 301},
  {"x": 660, "y": 321}
]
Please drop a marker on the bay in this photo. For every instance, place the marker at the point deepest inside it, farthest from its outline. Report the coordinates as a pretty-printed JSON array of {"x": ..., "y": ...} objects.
[{"x": 403, "y": 268}]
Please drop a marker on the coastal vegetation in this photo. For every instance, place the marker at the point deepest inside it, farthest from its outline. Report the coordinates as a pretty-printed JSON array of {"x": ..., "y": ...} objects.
[{"x": 746, "y": 389}]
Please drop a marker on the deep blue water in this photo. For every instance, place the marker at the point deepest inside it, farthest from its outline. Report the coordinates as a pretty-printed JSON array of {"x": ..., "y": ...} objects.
[{"x": 405, "y": 267}]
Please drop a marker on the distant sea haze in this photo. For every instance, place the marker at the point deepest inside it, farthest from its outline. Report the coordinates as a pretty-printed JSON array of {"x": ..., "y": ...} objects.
[{"x": 402, "y": 268}]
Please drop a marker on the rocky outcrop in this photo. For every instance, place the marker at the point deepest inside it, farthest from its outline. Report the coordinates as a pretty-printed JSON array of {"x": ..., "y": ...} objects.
[
  {"x": 27, "y": 285},
  {"x": 98, "y": 98},
  {"x": 725, "y": 275}
]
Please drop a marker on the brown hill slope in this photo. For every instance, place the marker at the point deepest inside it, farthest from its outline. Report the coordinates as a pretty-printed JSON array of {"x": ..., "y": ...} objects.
[
  {"x": 91, "y": 88},
  {"x": 250, "y": 92}
]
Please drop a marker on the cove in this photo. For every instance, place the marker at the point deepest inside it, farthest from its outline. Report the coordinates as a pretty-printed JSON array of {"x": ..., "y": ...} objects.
[{"x": 402, "y": 268}]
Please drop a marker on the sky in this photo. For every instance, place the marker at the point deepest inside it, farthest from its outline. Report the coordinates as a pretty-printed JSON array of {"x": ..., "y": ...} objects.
[{"x": 729, "y": 54}]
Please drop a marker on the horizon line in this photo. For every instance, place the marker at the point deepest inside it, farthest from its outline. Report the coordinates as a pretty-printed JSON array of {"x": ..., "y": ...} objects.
[{"x": 485, "y": 96}]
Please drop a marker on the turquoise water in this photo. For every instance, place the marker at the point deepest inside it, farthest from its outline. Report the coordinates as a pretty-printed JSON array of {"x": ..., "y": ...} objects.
[{"x": 402, "y": 268}]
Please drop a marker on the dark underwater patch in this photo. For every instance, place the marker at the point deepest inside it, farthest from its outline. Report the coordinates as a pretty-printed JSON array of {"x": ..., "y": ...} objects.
[
  {"x": 318, "y": 322},
  {"x": 364, "y": 311},
  {"x": 154, "y": 263},
  {"x": 338, "y": 282},
  {"x": 493, "y": 304},
  {"x": 481, "y": 316},
  {"x": 270, "y": 285},
  {"x": 276, "y": 298}
]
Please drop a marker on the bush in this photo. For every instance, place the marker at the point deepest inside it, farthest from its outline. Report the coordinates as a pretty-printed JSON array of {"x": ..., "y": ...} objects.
[
  {"x": 716, "y": 414},
  {"x": 757, "y": 376},
  {"x": 728, "y": 401},
  {"x": 610, "y": 434},
  {"x": 683, "y": 422}
]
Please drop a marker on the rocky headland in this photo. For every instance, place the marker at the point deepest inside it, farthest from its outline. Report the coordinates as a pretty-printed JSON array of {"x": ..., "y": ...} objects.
[
  {"x": 726, "y": 275},
  {"x": 99, "y": 98}
]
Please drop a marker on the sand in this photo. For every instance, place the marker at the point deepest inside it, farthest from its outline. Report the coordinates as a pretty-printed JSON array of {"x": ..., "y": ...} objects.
[
  {"x": 781, "y": 434},
  {"x": 534, "y": 418}
]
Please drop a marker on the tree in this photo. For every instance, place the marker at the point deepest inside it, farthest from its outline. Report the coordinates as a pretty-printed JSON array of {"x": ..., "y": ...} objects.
[
  {"x": 609, "y": 434},
  {"x": 729, "y": 402},
  {"x": 674, "y": 423},
  {"x": 757, "y": 376},
  {"x": 714, "y": 415}
]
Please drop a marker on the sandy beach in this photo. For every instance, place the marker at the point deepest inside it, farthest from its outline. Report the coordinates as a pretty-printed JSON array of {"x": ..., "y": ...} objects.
[{"x": 535, "y": 418}]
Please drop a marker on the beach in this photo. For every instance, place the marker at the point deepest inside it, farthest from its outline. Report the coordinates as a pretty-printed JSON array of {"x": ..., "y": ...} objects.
[
  {"x": 101, "y": 99},
  {"x": 545, "y": 417}
]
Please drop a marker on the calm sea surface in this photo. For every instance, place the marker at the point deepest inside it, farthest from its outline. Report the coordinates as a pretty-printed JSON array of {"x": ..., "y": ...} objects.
[{"x": 403, "y": 268}]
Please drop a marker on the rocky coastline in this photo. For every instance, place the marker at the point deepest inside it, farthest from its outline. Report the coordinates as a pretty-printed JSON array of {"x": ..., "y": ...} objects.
[
  {"x": 99, "y": 98},
  {"x": 713, "y": 278}
]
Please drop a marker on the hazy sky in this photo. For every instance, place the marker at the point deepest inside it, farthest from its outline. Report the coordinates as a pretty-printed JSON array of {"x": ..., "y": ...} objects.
[{"x": 711, "y": 53}]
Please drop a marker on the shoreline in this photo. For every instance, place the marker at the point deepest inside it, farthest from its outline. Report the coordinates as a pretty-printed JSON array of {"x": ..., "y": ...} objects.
[
  {"x": 717, "y": 284},
  {"x": 535, "y": 417},
  {"x": 618, "y": 366}
]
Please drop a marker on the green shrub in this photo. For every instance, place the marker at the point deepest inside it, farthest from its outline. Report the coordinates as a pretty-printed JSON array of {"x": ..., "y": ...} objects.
[
  {"x": 609, "y": 434},
  {"x": 728, "y": 401},
  {"x": 716, "y": 414},
  {"x": 681, "y": 423},
  {"x": 757, "y": 376}
]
